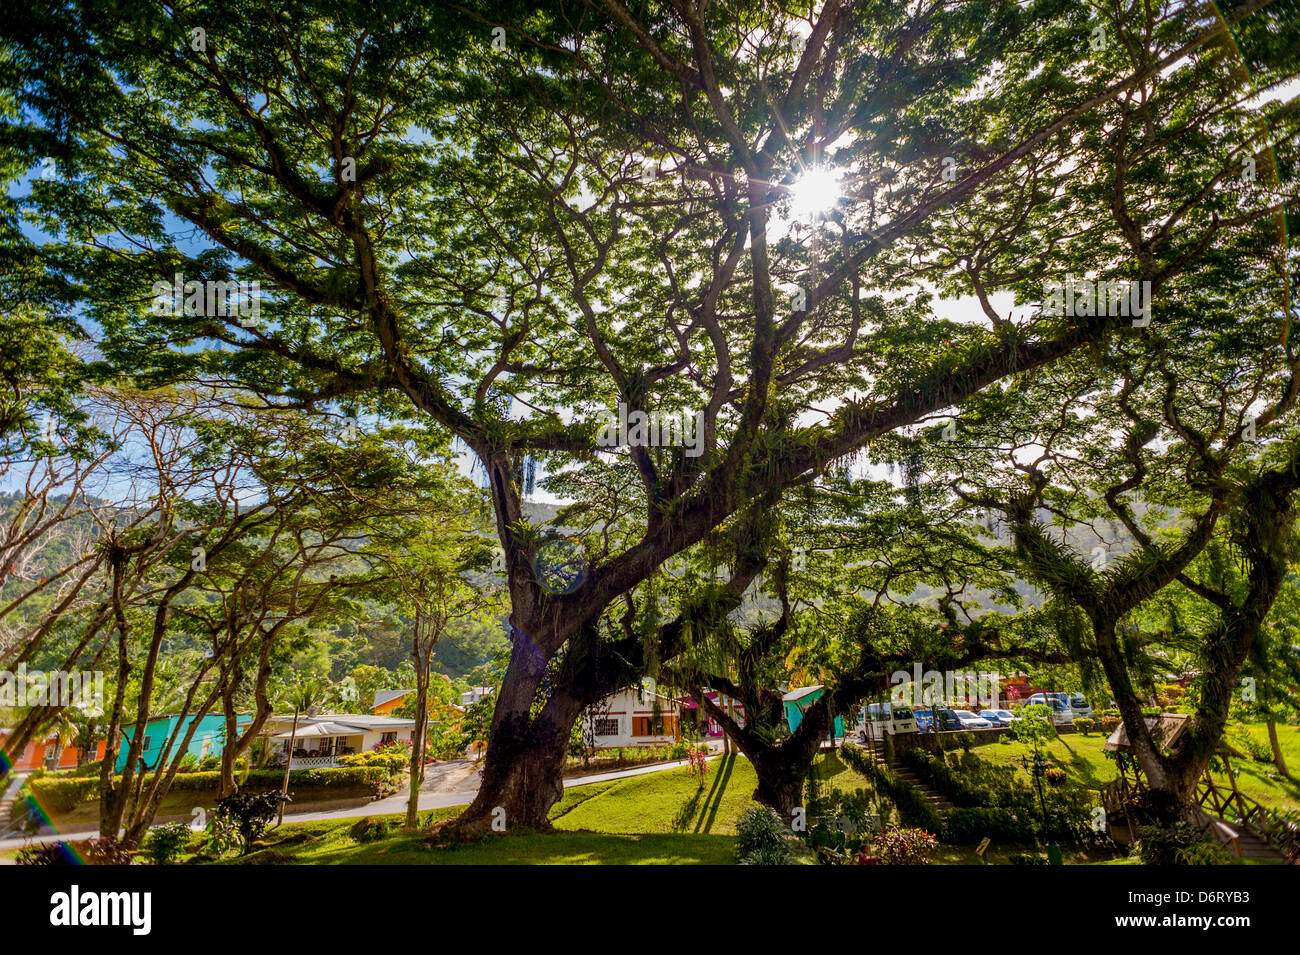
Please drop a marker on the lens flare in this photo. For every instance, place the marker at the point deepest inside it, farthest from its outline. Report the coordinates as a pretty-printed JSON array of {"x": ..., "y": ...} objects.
[{"x": 814, "y": 193}]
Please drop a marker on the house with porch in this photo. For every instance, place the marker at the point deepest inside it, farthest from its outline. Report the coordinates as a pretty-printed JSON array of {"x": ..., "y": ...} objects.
[{"x": 318, "y": 741}]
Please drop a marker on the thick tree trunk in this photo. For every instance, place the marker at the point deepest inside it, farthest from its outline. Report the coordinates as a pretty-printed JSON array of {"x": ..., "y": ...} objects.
[
  {"x": 781, "y": 779},
  {"x": 781, "y": 767},
  {"x": 523, "y": 771},
  {"x": 522, "y": 779}
]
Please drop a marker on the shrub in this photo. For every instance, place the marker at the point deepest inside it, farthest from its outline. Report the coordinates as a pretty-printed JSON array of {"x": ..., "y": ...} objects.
[
  {"x": 1055, "y": 776},
  {"x": 1255, "y": 749},
  {"x": 1179, "y": 844},
  {"x": 246, "y": 815},
  {"x": 103, "y": 851},
  {"x": 370, "y": 830},
  {"x": 843, "y": 825},
  {"x": 761, "y": 838},
  {"x": 897, "y": 846},
  {"x": 393, "y": 760},
  {"x": 63, "y": 793},
  {"x": 163, "y": 845},
  {"x": 971, "y": 781},
  {"x": 327, "y": 781},
  {"x": 963, "y": 826},
  {"x": 1021, "y": 858},
  {"x": 1084, "y": 725}
]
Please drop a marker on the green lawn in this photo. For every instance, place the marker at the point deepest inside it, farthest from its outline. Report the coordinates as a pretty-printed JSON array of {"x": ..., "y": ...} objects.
[
  {"x": 558, "y": 848},
  {"x": 1262, "y": 781},
  {"x": 595, "y": 826},
  {"x": 1083, "y": 759},
  {"x": 666, "y": 817},
  {"x": 671, "y": 801}
]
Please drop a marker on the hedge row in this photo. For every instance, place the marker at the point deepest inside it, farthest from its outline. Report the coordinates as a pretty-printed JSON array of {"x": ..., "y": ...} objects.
[
  {"x": 970, "y": 783},
  {"x": 991, "y": 801},
  {"x": 913, "y": 808},
  {"x": 65, "y": 793},
  {"x": 1069, "y": 824}
]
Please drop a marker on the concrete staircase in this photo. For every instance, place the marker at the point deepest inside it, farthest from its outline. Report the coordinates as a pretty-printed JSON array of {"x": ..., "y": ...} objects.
[
  {"x": 7, "y": 800},
  {"x": 937, "y": 802}
]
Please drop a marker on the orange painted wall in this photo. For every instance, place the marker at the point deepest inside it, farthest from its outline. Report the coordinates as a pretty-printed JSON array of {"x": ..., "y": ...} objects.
[
  {"x": 34, "y": 755},
  {"x": 386, "y": 709}
]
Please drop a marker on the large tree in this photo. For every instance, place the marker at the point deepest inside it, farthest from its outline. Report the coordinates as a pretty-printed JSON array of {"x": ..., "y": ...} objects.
[{"x": 509, "y": 217}]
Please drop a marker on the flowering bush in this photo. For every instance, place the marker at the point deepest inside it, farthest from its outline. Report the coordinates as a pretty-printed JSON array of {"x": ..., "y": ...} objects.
[
  {"x": 699, "y": 762},
  {"x": 897, "y": 846},
  {"x": 1055, "y": 775},
  {"x": 389, "y": 758}
]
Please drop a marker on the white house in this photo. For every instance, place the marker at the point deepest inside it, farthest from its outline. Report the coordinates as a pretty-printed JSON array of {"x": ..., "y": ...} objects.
[
  {"x": 633, "y": 717},
  {"x": 320, "y": 740},
  {"x": 474, "y": 694}
]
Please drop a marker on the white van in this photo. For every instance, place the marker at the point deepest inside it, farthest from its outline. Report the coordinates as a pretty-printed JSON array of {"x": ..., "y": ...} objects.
[{"x": 877, "y": 719}]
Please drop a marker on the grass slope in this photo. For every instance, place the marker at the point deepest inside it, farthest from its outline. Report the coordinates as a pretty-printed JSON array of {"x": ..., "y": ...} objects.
[{"x": 1083, "y": 759}]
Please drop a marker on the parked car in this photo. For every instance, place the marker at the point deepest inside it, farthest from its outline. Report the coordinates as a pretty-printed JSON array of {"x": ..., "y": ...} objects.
[
  {"x": 999, "y": 717},
  {"x": 877, "y": 719},
  {"x": 1080, "y": 706},
  {"x": 947, "y": 720},
  {"x": 1062, "y": 714},
  {"x": 1074, "y": 702},
  {"x": 969, "y": 721},
  {"x": 1046, "y": 698}
]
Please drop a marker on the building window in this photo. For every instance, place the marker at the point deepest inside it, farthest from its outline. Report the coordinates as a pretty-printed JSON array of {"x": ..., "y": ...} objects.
[
  {"x": 607, "y": 726},
  {"x": 665, "y": 725},
  {"x": 148, "y": 742},
  {"x": 387, "y": 738}
]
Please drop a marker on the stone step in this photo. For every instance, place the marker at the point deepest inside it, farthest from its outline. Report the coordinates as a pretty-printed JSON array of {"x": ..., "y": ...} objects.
[{"x": 935, "y": 800}]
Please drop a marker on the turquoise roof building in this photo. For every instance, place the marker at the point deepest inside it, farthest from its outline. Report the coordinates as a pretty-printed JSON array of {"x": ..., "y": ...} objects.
[{"x": 796, "y": 703}]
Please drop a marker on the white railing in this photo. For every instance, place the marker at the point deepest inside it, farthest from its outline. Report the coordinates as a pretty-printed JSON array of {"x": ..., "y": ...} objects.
[{"x": 313, "y": 762}]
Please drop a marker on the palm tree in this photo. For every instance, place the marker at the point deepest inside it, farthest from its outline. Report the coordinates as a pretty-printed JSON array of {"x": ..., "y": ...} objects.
[
  {"x": 64, "y": 730},
  {"x": 304, "y": 696}
]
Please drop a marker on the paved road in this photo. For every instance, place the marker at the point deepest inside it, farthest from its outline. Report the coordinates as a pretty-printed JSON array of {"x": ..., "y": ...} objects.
[{"x": 453, "y": 782}]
